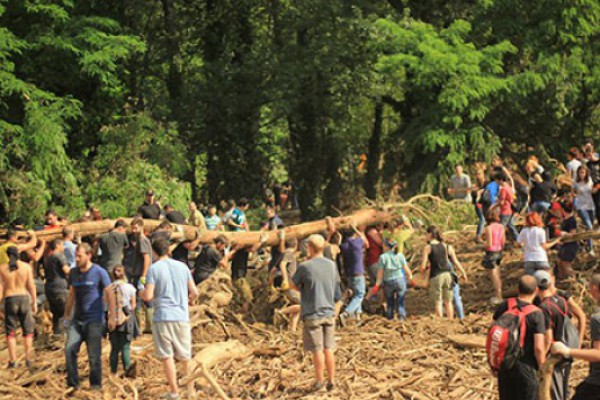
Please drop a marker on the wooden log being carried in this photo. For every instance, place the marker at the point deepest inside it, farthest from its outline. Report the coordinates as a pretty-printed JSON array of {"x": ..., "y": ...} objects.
[{"x": 360, "y": 218}]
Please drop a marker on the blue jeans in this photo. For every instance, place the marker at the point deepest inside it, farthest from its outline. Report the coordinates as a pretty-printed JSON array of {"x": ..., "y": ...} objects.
[
  {"x": 458, "y": 304},
  {"x": 91, "y": 333},
  {"x": 395, "y": 290},
  {"x": 539, "y": 207},
  {"x": 588, "y": 217},
  {"x": 359, "y": 289},
  {"x": 480, "y": 220},
  {"x": 508, "y": 221}
]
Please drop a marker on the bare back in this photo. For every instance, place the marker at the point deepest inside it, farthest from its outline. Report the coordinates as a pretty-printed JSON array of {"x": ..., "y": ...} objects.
[{"x": 15, "y": 282}]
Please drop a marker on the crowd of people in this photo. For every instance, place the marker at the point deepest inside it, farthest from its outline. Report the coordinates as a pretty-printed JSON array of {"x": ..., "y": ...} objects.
[{"x": 142, "y": 282}]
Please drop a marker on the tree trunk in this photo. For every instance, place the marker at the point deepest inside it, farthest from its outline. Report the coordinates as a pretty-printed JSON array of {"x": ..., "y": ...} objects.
[
  {"x": 360, "y": 218},
  {"x": 374, "y": 155}
]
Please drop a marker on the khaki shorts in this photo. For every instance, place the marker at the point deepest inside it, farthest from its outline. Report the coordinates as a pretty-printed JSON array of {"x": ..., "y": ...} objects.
[
  {"x": 172, "y": 339},
  {"x": 440, "y": 287},
  {"x": 244, "y": 290},
  {"x": 319, "y": 334}
]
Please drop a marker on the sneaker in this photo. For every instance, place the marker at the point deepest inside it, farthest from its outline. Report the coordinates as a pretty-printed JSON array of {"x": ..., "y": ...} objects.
[
  {"x": 96, "y": 388},
  {"x": 317, "y": 386},
  {"x": 330, "y": 386},
  {"x": 343, "y": 317},
  {"x": 592, "y": 253},
  {"x": 131, "y": 371},
  {"x": 170, "y": 396},
  {"x": 13, "y": 364}
]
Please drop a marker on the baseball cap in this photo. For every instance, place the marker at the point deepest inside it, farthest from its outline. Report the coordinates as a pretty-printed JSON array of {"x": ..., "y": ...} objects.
[{"x": 543, "y": 279}]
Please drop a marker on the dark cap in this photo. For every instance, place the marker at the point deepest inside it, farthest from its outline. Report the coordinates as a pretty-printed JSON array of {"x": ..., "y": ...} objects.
[{"x": 149, "y": 192}]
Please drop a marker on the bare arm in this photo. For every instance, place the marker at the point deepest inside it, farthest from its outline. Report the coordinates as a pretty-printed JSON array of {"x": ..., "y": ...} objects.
[
  {"x": 37, "y": 256},
  {"x": 549, "y": 245},
  {"x": 591, "y": 355},
  {"x": 31, "y": 289},
  {"x": 581, "y": 318},
  {"x": 30, "y": 244},
  {"x": 539, "y": 340},
  {"x": 425, "y": 258},
  {"x": 148, "y": 292},
  {"x": 457, "y": 263},
  {"x": 192, "y": 291},
  {"x": 147, "y": 262},
  {"x": 70, "y": 303}
]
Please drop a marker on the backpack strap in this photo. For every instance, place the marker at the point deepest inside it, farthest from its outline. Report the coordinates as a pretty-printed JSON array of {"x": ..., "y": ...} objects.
[
  {"x": 512, "y": 303},
  {"x": 525, "y": 311}
]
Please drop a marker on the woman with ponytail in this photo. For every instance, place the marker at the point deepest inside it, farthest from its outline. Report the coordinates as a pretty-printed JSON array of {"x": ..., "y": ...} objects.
[{"x": 393, "y": 272}]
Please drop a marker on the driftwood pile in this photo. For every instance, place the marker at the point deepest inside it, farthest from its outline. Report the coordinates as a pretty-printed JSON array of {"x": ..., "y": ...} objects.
[{"x": 247, "y": 357}]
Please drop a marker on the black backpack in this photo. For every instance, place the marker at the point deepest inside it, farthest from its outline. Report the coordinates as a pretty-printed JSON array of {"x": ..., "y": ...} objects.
[{"x": 569, "y": 334}]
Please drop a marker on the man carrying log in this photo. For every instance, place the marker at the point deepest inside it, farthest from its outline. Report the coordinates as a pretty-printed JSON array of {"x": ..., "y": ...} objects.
[
  {"x": 113, "y": 245},
  {"x": 150, "y": 209},
  {"x": 317, "y": 279},
  {"x": 56, "y": 271},
  {"x": 17, "y": 291},
  {"x": 13, "y": 240},
  {"x": 211, "y": 257},
  {"x": 170, "y": 287},
  {"x": 142, "y": 261},
  {"x": 589, "y": 389}
]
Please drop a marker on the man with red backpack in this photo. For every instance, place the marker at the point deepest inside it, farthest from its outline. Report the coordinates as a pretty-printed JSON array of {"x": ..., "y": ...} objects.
[
  {"x": 516, "y": 343},
  {"x": 558, "y": 308}
]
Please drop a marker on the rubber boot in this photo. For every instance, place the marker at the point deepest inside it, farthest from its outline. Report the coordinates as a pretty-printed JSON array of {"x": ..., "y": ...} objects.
[{"x": 148, "y": 323}]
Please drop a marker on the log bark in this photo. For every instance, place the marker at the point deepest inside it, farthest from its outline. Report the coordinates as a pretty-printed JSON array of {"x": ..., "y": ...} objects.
[
  {"x": 468, "y": 341},
  {"x": 360, "y": 218}
]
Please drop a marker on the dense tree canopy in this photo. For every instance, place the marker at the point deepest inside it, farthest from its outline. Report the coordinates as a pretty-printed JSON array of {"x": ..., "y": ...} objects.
[{"x": 210, "y": 99}]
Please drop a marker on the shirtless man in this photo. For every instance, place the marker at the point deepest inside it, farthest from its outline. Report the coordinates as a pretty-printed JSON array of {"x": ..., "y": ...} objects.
[{"x": 17, "y": 290}]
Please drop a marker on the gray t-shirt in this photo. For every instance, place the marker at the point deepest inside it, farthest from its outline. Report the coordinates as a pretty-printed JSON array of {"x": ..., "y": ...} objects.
[
  {"x": 594, "y": 377},
  {"x": 317, "y": 280},
  {"x": 461, "y": 182},
  {"x": 113, "y": 245},
  {"x": 142, "y": 246}
]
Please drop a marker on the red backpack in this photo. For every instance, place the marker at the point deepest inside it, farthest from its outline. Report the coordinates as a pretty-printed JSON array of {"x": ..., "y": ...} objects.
[{"x": 506, "y": 337}]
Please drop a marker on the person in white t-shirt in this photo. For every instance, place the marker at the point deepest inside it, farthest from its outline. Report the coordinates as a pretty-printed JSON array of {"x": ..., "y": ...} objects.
[
  {"x": 535, "y": 244},
  {"x": 583, "y": 189},
  {"x": 573, "y": 163}
]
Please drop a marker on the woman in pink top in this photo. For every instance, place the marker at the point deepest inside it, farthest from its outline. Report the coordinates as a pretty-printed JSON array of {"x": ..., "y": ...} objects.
[
  {"x": 506, "y": 199},
  {"x": 494, "y": 237}
]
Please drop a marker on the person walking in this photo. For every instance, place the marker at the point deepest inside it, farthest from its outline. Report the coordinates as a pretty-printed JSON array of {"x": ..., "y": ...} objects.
[
  {"x": 494, "y": 239},
  {"x": 460, "y": 185},
  {"x": 534, "y": 243},
  {"x": 89, "y": 282},
  {"x": 589, "y": 389},
  {"x": 17, "y": 293},
  {"x": 317, "y": 280},
  {"x": 395, "y": 275},
  {"x": 559, "y": 308},
  {"x": 121, "y": 301},
  {"x": 440, "y": 278},
  {"x": 521, "y": 382},
  {"x": 584, "y": 190},
  {"x": 170, "y": 287},
  {"x": 352, "y": 257}
]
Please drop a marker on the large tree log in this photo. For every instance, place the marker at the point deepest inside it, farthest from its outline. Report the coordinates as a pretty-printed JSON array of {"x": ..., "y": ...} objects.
[{"x": 360, "y": 218}]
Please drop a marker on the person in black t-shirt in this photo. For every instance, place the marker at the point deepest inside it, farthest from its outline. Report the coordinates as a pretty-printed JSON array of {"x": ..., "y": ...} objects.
[
  {"x": 521, "y": 382},
  {"x": 589, "y": 389},
  {"x": 174, "y": 216},
  {"x": 555, "y": 304},
  {"x": 56, "y": 271},
  {"x": 151, "y": 208},
  {"x": 567, "y": 251},
  {"x": 210, "y": 258}
]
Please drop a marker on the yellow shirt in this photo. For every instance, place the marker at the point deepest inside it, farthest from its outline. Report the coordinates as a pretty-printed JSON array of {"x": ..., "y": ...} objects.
[
  {"x": 3, "y": 249},
  {"x": 400, "y": 237}
]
